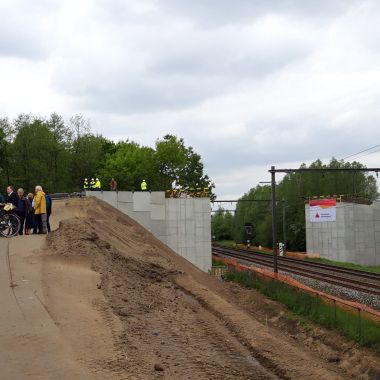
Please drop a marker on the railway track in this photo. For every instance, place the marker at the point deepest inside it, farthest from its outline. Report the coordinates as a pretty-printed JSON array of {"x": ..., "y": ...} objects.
[{"x": 362, "y": 281}]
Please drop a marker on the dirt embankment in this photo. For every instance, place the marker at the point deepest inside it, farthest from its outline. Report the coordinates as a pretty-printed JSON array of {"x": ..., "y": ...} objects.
[
  {"x": 104, "y": 299},
  {"x": 175, "y": 321}
]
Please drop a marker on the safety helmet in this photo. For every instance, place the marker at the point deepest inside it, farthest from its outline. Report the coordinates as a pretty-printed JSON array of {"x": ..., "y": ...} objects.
[
  {"x": 85, "y": 179},
  {"x": 97, "y": 179},
  {"x": 92, "y": 179}
]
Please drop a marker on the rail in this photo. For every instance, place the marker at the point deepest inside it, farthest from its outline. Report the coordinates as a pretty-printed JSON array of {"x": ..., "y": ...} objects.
[{"x": 366, "y": 282}]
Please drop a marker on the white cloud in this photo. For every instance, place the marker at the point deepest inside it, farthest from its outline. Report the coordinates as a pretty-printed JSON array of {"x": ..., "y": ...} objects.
[{"x": 248, "y": 83}]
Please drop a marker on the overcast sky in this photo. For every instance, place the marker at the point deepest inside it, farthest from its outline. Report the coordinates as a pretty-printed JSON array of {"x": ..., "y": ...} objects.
[{"x": 247, "y": 83}]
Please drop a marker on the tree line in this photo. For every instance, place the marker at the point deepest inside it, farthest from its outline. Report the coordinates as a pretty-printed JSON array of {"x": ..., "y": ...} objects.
[
  {"x": 295, "y": 189},
  {"x": 59, "y": 154}
]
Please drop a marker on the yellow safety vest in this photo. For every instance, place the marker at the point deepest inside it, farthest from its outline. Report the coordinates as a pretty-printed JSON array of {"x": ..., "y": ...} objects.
[{"x": 144, "y": 185}]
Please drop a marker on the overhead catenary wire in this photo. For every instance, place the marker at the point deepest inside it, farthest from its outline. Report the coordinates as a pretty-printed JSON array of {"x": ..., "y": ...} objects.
[
  {"x": 366, "y": 154},
  {"x": 362, "y": 151}
]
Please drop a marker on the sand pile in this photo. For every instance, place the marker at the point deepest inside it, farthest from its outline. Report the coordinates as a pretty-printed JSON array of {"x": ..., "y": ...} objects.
[{"x": 177, "y": 322}]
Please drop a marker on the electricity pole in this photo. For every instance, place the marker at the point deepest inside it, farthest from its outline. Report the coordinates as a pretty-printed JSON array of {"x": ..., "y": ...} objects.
[{"x": 274, "y": 227}]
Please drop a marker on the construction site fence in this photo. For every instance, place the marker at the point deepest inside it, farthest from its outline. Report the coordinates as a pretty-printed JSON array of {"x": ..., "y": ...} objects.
[{"x": 362, "y": 312}]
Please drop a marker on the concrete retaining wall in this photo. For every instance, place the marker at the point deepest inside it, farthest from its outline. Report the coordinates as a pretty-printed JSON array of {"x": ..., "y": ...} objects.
[
  {"x": 184, "y": 224},
  {"x": 354, "y": 237}
]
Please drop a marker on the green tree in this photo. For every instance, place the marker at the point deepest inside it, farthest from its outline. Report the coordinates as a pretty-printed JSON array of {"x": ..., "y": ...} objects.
[
  {"x": 59, "y": 155},
  {"x": 130, "y": 164},
  {"x": 29, "y": 152},
  {"x": 180, "y": 165},
  {"x": 5, "y": 140},
  {"x": 222, "y": 225},
  {"x": 296, "y": 189}
]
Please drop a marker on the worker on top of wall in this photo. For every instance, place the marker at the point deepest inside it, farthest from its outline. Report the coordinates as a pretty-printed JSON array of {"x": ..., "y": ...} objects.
[
  {"x": 85, "y": 184},
  {"x": 113, "y": 184},
  {"x": 92, "y": 184},
  {"x": 144, "y": 185},
  {"x": 98, "y": 185}
]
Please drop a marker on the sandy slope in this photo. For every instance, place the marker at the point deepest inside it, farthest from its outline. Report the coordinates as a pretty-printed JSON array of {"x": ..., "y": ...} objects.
[{"x": 103, "y": 299}]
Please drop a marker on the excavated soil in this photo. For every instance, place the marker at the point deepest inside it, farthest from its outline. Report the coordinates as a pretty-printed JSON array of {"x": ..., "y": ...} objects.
[{"x": 130, "y": 308}]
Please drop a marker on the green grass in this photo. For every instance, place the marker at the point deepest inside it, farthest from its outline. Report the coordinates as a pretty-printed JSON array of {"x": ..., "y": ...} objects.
[
  {"x": 226, "y": 243},
  {"x": 375, "y": 269},
  {"x": 217, "y": 263},
  {"x": 359, "y": 329}
]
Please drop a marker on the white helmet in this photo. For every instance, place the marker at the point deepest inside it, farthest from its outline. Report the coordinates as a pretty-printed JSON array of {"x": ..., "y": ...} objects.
[
  {"x": 85, "y": 179},
  {"x": 97, "y": 179},
  {"x": 92, "y": 179}
]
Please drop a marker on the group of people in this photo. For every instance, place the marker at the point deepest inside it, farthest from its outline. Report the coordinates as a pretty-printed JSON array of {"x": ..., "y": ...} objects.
[
  {"x": 33, "y": 210},
  {"x": 95, "y": 185},
  {"x": 92, "y": 185}
]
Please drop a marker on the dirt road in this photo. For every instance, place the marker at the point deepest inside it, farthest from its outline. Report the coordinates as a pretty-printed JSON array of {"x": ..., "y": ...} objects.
[{"x": 101, "y": 298}]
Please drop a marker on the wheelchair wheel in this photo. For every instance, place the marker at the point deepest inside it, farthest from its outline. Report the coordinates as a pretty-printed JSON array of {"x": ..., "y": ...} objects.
[{"x": 9, "y": 225}]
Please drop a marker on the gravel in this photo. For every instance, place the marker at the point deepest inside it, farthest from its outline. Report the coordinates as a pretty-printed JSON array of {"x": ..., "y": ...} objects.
[{"x": 370, "y": 300}]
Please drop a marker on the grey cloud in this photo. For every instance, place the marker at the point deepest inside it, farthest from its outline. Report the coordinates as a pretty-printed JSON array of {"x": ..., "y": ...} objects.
[
  {"x": 304, "y": 141},
  {"x": 173, "y": 80},
  {"x": 214, "y": 12},
  {"x": 21, "y": 44},
  {"x": 130, "y": 96},
  {"x": 260, "y": 61},
  {"x": 26, "y": 29}
]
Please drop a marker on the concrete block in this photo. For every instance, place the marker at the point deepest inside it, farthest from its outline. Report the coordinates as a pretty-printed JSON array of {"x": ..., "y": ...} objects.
[
  {"x": 183, "y": 224},
  {"x": 198, "y": 206},
  {"x": 126, "y": 208},
  {"x": 125, "y": 196},
  {"x": 205, "y": 204},
  {"x": 158, "y": 227},
  {"x": 96, "y": 194},
  {"x": 157, "y": 197},
  {"x": 110, "y": 197},
  {"x": 141, "y": 201},
  {"x": 172, "y": 241},
  {"x": 189, "y": 212},
  {"x": 190, "y": 229},
  {"x": 173, "y": 246},
  {"x": 143, "y": 217},
  {"x": 171, "y": 216},
  {"x": 157, "y": 212}
]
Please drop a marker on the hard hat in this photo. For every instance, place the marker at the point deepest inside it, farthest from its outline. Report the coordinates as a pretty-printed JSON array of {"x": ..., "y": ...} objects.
[
  {"x": 92, "y": 179},
  {"x": 97, "y": 179},
  {"x": 85, "y": 179}
]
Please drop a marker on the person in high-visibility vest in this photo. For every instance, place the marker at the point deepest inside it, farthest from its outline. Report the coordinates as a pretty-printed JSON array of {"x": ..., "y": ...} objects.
[
  {"x": 144, "y": 185},
  {"x": 92, "y": 184},
  {"x": 85, "y": 184},
  {"x": 98, "y": 186}
]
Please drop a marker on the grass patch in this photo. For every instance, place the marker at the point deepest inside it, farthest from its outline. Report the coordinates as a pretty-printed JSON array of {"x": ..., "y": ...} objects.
[
  {"x": 264, "y": 252},
  {"x": 374, "y": 269},
  {"x": 226, "y": 243},
  {"x": 217, "y": 263},
  {"x": 353, "y": 326}
]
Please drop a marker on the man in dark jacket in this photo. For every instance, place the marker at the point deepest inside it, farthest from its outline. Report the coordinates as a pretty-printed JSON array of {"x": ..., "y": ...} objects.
[
  {"x": 23, "y": 208},
  {"x": 12, "y": 196}
]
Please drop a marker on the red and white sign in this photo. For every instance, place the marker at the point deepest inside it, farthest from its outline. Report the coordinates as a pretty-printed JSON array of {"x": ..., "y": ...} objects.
[{"x": 323, "y": 210}]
